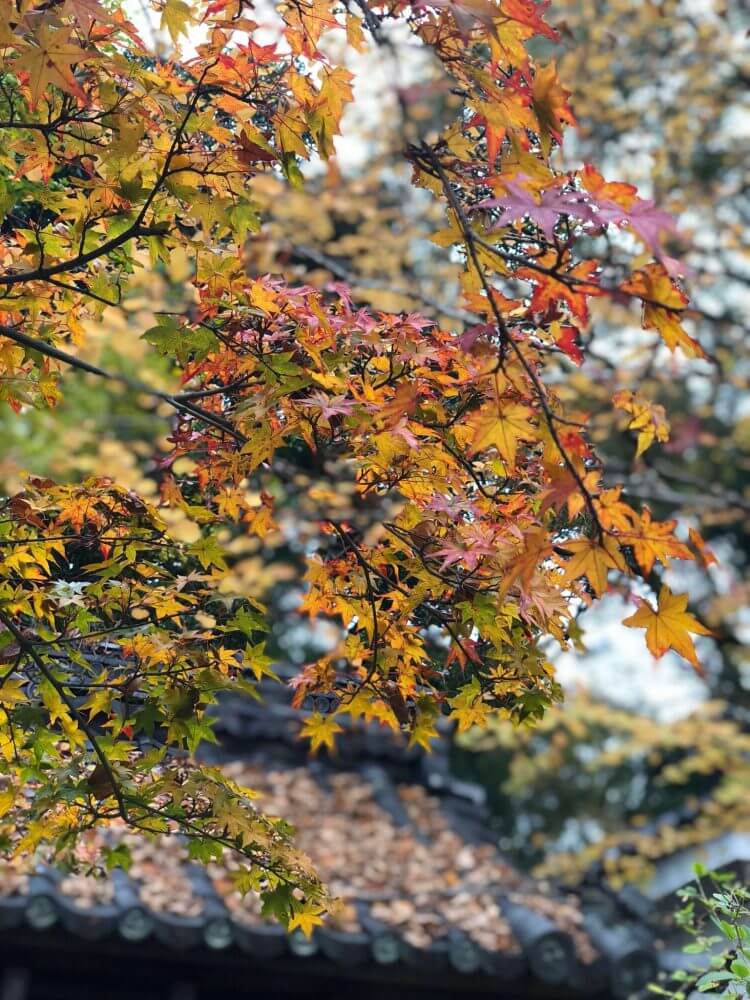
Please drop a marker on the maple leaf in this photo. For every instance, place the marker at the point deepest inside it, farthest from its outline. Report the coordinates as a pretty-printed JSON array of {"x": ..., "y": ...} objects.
[
  {"x": 531, "y": 13},
  {"x": 176, "y": 15},
  {"x": 593, "y": 559},
  {"x": 613, "y": 512},
  {"x": 519, "y": 203},
  {"x": 321, "y": 730},
  {"x": 648, "y": 419},
  {"x": 649, "y": 222},
  {"x": 563, "y": 489},
  {"x": 256, "y": 659},
  {"x": 453, "y": 506},
  {"x": 646, "y": 220},
  {"x": 502, "y": 424},
  {"x": 98, "y": 702},
  {"x": 474, "y": 544},
  {"x": 88, "y": 11},
  {"x": 705, "y": 554},
  {"x": 8, "y": 796},
  {"x": 655, "y": 540},
  {"x": 209, "y": 552},
  {"x": 463, "y": 652},
  {"x": 572, "y": 288},
  {"x": 618, "y": 203},
  {"x": 13, "y": 692},
  {"x": 49, "y": 62},
  {"x": 424, "y": 730},
  {"x": 328, "y": 406},
  {"x": 669, "y": 626},
  {"x": 566, "y": 338},
  {"x": 465, "y": 13},
  {"x": 305, "y": 919},
  {"x": 550, "y": 103},
  {"x": 537, "y": 546},
  {"x": 469, "y": 708},
  {"x": 662, "y": 304},
  {"x": 607, "y": 192},
  {"x": 255, "y": 149}
]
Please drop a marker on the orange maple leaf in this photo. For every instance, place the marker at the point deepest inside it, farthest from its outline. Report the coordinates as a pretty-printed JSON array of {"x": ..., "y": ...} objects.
[
  {"x": 705, "y": 554},
  {"x": 654, "y": 541},
  {"x": 50, "y": 62},
  {"x": 613, "y": 512},
  {"x": 669, "y": 626},
  {"x": 594, "y": 560},
  {"x": 550, "y": 103},
  {"x": 536, "y": 548},
  {"x": 564, "y": 489},
  {"x": 616, "y": 191},
  {"x": 549, "y": 292},
  {"x": 662, "y": 304}
]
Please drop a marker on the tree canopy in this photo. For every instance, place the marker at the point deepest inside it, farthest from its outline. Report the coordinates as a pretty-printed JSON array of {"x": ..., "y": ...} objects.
[
  {"x": 479, "y": 521},
  {"x": 603, "y": 788}
]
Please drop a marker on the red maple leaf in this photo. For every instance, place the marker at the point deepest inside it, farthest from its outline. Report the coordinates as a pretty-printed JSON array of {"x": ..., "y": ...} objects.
[
  {"x": 572, "y": 287},
  {"x": 567, "y": 341}
]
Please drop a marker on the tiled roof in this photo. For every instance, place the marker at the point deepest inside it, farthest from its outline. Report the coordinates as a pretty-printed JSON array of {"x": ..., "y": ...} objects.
[
  {"x": 402, "y": 843},
  {"x": 419, "y": 886}
]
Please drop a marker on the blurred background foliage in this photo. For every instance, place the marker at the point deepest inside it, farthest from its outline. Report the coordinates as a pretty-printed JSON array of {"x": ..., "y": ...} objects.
[{"x": 661, "y": 93}]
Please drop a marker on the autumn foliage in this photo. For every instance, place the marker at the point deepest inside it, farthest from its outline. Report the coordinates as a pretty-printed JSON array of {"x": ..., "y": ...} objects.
[{"x": 489, "y": 522}]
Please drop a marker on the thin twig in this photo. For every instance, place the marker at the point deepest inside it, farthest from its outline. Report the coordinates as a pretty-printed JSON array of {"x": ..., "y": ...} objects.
[{"x": 180, "y": 401}]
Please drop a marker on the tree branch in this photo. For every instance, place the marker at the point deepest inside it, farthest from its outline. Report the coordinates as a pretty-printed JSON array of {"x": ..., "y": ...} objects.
[{"x": 180, "y": 401}]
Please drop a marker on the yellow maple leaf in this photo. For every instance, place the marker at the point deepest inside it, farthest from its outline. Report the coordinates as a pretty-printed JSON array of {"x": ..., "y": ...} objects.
[
  {"x": 501, "y": 424},
  {"x": 468, "y": 707},
  {"x": 669, "y": 626},
  {"x": 354, "y": 34},
  {"x": 424, "y": 729},
  {"x": 423, "y": 733},
  {"x": 13, "y": 692},
  {"x": 321, "y": 731},
  {"x": 371, "y": 709},
  {"x": 176, "y": 15},
  {"x": 7, "y": 799},
  {"x": 98, "y": 702},
  {"x": 50, "y": 61},
  {"x": 306, "y": 920},
  {"x": 594, "y": 560},
  {"x": 646, "y": 418},
  {"x": 662, "y": 304},
  {"x": 263, "y": 297},
  {"x": 11, "y": 355}
]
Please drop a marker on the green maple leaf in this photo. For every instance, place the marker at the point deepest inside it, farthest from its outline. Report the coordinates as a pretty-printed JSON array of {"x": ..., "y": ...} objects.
[
  {"x": 208, "y": 552},
  {"x": 205, "y": 850},
  {"x": 175, "y": 17},
  {"x": 258, "y": 662},
  {"x": 118, "y": 857},
  {"x": 278, "y": 903},
  {"x": 247, "y": 622},
  {"x": 148, "y": 718}
]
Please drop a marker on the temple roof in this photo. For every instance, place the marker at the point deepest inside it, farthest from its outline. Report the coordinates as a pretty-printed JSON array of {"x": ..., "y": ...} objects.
[
  {"x": 406, "y": 848},
  {"x": 427, "y": 898}
]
